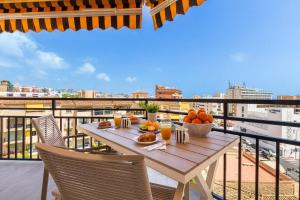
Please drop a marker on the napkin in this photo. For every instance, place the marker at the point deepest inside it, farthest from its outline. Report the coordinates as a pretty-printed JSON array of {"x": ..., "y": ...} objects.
[{"x": 154, "y": 146}]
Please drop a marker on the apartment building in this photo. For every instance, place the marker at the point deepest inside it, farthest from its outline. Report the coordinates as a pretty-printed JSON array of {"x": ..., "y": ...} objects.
[
  {"x": 163, "y": 92},
  {"x": 276, "y": 114},
  {"x": 244, "y": 92},
  {"x": 213, "y": 108}
]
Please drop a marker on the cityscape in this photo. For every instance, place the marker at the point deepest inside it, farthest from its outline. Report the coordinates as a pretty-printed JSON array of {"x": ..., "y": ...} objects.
[
  {"x": 149, "y": 100},
  {"x": 267, "y": 150}
]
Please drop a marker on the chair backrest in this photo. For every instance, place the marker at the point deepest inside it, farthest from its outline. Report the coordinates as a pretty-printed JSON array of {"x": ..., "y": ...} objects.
[
  {"x": 80, "y": 176},
  {"x": 48, "y": 131}
]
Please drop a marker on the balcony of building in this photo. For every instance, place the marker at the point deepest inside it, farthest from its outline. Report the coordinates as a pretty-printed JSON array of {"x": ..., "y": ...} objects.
[{"x": 264, "y": 165}]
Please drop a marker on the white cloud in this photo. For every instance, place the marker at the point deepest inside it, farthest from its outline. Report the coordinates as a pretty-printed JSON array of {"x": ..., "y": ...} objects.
[
  {"x": 86, "y": 68},
  {"x": 103, "y": 77},
  {"x": 16, "y": 44},
  {"x": 239, "y": 57},
  {"x": 131, "y": 79},
  {"x": 51, "y": 59},
  {"x": 19, "y": 50}
]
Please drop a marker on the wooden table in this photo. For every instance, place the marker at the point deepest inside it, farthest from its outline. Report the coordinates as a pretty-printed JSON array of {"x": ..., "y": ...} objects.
[{"x": 181, "y": 162}]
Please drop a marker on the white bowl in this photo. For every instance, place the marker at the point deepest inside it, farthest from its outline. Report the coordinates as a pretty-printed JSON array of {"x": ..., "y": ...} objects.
[{"x": 200, "y": 130}]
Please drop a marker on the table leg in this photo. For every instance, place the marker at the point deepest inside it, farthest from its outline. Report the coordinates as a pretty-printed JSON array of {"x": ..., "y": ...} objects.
[
  {"x": 187, "y": 191},
  {"x": 205, "y": 186},
  {"x": 211, "y": 174},
  {"x": 179, "y": 191}
]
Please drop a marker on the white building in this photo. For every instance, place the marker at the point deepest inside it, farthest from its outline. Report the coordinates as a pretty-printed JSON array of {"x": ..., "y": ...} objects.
[
  {"x": 23, "y": 94},
  {"x": 243, "y": 92},
  {"x": 214, "y": 108},
  {"x": 275, "y": 114}
]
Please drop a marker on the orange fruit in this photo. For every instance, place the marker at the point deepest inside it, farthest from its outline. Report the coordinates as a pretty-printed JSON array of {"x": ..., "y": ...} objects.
[
  {"x": 156, "y": 125},
  {"x": 186, "y": 119},
  {"x": 206, "y": 122},
  {"x": 202, "y": 116},
  {"x": 148, "y": 123},
  {"x": 200, "y": 110},
  {"x": 151, "y": 128},
  {"x": 192, "y": 114},
  {"x": 197, "y": 121},
  {"x": 210, "y": 118}
]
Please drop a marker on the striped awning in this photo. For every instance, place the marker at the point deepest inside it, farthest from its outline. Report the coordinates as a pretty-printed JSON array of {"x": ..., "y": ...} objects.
[
  {"x": 166, "y": 10},
  {"x": 50, "y": 15}
]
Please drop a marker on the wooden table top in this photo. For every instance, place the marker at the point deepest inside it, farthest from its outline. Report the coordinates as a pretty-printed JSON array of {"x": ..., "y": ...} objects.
[{"x": 182, "y": 158}]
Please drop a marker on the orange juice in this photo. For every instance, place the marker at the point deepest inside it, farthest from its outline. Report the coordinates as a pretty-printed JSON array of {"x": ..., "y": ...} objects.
[
  {"x": 166, "y": 133},
  {"x": 118, "y": 120}
]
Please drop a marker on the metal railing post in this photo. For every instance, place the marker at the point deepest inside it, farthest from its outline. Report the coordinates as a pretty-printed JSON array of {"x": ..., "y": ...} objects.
[
  {"x": 240, "y": 169},
  {"x": 53, "y": 103},
  {"x": 256, "y": 168},
  {"x": 225, "y": 115},
  {"x": 1, "y": 137},
  {"x": 277, "y": 170},
  {"x": 146, "y": 102}
]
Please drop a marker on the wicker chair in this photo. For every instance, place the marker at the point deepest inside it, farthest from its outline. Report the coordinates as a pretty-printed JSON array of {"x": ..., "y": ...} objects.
[
  {"x": 81, "y": 176},
  {"x": 49, "y": 133}
]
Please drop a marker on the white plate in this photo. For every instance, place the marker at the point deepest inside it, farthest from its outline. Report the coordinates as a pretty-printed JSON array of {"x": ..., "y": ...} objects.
[{"x": 144, "y": 143}]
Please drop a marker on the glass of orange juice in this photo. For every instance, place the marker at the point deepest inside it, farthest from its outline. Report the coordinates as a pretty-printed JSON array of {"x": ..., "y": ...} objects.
[
  {"x": 166, "y": 131},
  {"x": 118, "y": 120}
]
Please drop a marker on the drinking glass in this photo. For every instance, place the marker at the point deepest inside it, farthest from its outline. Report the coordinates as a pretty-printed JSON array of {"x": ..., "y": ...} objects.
[
  {"x": 166, "y": 131},
  {"x": 118, "y": 120}
]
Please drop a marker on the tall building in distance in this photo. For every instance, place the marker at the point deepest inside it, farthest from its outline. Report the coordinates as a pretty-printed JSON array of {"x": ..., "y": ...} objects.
[
  {"x": 244, "y": 92},
  {"x": 163, "y": 92}
]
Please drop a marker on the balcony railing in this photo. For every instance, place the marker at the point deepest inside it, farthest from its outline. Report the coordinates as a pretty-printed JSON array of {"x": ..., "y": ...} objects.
[{"x": 18, "y": 138}]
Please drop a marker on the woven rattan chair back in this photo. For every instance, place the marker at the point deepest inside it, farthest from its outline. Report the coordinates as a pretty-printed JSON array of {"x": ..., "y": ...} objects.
[
  {"x": 80, "y": 176},
  {"x": 48, "y": 131}
]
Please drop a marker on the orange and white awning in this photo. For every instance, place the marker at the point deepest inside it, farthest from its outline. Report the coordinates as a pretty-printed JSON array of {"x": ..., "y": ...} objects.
[
  {"x": 50, "y": 15},
  {"x": 166, "y": 10}
]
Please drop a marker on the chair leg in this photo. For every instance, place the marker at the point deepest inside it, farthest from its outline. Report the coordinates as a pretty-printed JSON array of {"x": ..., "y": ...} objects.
[{"x": 45, "y": 184}]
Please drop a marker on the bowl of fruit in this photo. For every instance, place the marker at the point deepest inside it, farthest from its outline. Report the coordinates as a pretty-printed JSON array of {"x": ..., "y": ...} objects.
[
  {"x": 198, "y": 123},
  {"x": 148, "y": 126},
  {"x": 134, "y": 119}
]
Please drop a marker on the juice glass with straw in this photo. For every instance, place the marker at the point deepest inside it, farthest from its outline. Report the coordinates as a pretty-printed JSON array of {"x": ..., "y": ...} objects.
[
  {"x": 166, "y": 131},
  {"x": 118, "y": 120}
]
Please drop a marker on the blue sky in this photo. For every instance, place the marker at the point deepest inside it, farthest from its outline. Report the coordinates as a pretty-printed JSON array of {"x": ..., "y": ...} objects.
[{"x": 256, "y": 42}]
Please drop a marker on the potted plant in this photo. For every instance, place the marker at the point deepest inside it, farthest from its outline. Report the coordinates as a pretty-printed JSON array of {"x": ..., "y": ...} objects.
[{"x": 152, "y": 109}]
